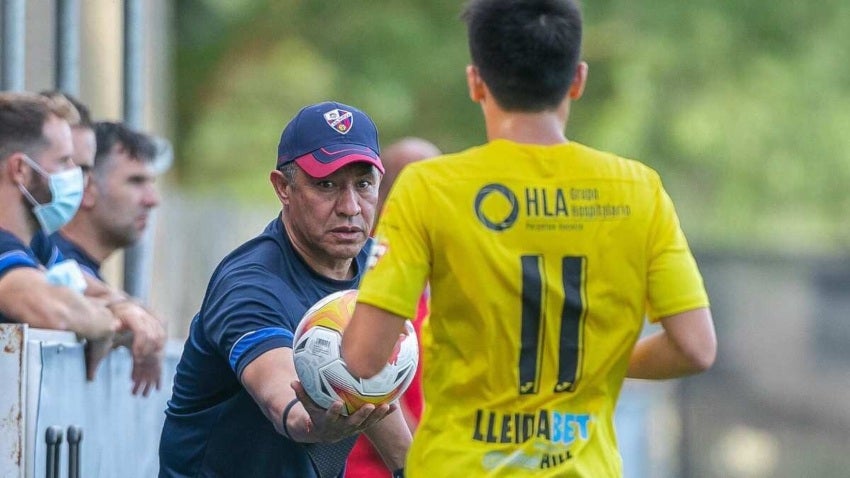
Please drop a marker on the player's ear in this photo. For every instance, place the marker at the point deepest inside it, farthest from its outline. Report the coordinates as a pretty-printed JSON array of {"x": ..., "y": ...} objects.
[
  {"x": 280, "y": 185},
  {"x": 474, "y": 83},
  {"x": 579, "y": 80},
  {"x": 90, "y": 194},
  {"x": 13, "y": 168}
]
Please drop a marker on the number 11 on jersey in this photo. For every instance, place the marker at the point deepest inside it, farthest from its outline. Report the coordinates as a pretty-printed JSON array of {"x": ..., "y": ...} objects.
[{"x": 534, "y": 324}]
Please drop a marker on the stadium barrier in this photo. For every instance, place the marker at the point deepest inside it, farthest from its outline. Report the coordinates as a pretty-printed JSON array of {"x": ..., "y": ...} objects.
[{"x": 54, "y": 423}]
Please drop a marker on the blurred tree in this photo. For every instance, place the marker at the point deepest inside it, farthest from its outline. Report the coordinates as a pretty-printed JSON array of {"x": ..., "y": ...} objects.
[{"x": 741, "y": 106}]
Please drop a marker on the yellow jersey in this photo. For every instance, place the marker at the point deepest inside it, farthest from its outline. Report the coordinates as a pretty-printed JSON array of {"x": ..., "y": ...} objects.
[{"x": 543, "y": 262}]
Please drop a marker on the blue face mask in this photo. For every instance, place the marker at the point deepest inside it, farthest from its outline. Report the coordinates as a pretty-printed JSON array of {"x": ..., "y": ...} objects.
[{"x": 66, "y": 188}]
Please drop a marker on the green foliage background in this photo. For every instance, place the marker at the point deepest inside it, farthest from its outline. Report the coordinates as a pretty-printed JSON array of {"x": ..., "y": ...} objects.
[{"x": 742, "y": 106}]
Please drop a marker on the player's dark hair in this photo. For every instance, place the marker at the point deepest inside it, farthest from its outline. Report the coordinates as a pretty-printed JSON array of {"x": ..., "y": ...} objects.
[
  {"x": 22, "y": 118},
  {"x": 526, "y": 51},
  {"x": 138, "y": 146}
]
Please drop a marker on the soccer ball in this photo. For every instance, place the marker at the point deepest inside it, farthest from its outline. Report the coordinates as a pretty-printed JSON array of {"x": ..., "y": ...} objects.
[{"x": 319, "y": 364}]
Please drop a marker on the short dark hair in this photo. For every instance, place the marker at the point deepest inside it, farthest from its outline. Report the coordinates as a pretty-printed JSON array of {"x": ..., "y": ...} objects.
[
  {"x": 289, "y": 170},
  {"x": 138, "y": 146},
  {"x": 83, "y": 112},
  {"x": 22, "y": 118},
  {"x": 526, "y": 51}
]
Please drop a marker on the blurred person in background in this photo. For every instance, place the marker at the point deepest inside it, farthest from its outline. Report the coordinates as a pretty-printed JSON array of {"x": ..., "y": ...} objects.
[
  {"x": 544, "y": 259},
  {"x": 119, "y": 194},
  {"x": 40, "y": 190},
  {"x": 364, "y": 461},
  {"x": 238, "y": 409},
  {"x": 82, "y": 130},
  {"x": 118, "y": 199}
]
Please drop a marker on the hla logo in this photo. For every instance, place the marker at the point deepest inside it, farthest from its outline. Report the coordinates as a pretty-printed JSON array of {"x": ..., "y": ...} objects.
[{"x": 501, "y": 223}]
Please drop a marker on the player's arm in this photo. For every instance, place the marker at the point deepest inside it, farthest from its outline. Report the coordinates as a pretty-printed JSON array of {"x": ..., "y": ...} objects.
[
  {"x": 686, "y": 345},
  {"x": 140, "y": 331},
  {"x": 26, "y": 296},
  {"x": 391, "y": 438},
  {"x": 272, "y": 382},
  {"x": 369, "y": 338}
]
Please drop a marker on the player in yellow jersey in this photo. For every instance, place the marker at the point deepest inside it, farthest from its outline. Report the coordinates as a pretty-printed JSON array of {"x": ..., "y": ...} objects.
[{"x": 544, "y": 258}]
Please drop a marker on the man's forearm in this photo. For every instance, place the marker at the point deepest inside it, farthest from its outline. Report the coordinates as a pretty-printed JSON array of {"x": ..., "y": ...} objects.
[
  {"x": 392, "y": 439},
  {"x": 656, "y": 357}
]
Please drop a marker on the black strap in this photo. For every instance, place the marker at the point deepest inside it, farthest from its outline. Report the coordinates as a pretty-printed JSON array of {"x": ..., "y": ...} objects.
[{"x": 286, "y": 415}]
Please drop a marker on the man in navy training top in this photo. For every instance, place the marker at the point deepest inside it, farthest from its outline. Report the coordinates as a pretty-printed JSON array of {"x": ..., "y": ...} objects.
[
  {"x": 40, "y": 190},
  {"x": 115, "y": 191},
  {"x": 119, "y": 194},
  {"x": 118, "y": 198},
  {"x": 237, "y": 408}
]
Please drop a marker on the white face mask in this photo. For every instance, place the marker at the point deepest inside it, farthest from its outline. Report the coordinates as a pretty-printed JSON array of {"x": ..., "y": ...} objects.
[{"x": 66, "y": 189}]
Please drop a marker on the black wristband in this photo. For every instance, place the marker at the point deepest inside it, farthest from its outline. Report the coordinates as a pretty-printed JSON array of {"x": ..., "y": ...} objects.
[
  {"x": 398, "y": 473},
  {"x": 286, "y": 415}
]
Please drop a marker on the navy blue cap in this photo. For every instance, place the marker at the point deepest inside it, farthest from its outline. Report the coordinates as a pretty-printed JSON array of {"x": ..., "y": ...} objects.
[{"x": 324, "y": 137}]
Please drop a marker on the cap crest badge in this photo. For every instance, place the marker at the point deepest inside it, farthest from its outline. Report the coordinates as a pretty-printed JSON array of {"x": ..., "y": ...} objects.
[{"x": 339, "y": 120}]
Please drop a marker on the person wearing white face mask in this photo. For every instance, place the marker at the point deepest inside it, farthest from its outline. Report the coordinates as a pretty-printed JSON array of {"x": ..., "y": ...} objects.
[{"x": 40, "y": 190}]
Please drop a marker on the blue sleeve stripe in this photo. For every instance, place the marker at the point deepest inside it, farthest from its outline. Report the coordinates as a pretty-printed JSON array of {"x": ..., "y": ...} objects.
[
  {"x": 13, "y": 259},
  {"x": 88, "y": 270},
  {"x": 55, "y": 257},
  {"x": 251, "y": 339}
]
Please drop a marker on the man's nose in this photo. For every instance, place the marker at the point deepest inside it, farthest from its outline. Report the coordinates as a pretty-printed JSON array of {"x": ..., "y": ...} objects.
[{"x": 348, "y": 202}]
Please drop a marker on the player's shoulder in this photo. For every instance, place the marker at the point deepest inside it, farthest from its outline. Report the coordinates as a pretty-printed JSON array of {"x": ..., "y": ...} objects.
[
  {"x": 9, "y": 242},
  {"x": 609, "y": 163},
  {"x": 255, "y": 260},
  {"x": 445, "y": 167},
  {"x": 14, "y": 253}
]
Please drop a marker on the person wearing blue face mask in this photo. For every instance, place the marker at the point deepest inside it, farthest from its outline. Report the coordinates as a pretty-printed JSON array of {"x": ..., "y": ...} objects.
[
  {"x": 40, "y": 190},
  {"x": 66, "y": 192},
  {"x": 81, "y": 238}
]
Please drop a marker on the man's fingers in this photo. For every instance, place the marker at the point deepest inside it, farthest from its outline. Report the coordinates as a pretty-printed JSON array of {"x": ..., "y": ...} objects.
[{"x": 375, "y": 416}]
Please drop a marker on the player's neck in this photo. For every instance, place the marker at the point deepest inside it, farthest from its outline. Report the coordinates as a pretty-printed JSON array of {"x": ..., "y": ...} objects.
[
  {"x": 17, "y": 220},
  {"x": 78, "y": 232},
  {"x": 544, "y": 128}
]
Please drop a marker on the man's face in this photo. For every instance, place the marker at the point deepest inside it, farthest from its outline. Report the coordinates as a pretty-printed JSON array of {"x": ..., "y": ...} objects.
[
  {"x": 124, "y": 196},
  {"x": 85, "y": 147},
  {"x": 57, "y": 156},
  {"x": 330, "y": 218}
]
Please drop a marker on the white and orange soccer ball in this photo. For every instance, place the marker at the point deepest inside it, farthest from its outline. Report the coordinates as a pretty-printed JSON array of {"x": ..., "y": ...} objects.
[{"x": 319, "y": 364}]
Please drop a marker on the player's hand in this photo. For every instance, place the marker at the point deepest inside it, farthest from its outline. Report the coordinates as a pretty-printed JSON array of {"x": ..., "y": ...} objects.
[
  {"x": 144, "y": 335},
  {"x": 147, "y": 374},
  {"x": 328, "y": 426},
  {"x": 148, "y": 334},
  {"x": 95, "y": 352}
]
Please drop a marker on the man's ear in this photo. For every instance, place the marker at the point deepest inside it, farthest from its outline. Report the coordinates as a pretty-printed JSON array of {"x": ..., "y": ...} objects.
[
  {"x": 13, "y": 168},
  {"x": 90, "y": 194},
  {"x": 280, "y": 185},
  {"x": 475, "y": 84},
  {"x": 579, "y": 80}
]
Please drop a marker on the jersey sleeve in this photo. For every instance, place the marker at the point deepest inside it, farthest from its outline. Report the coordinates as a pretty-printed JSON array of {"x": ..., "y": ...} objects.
[
  {"x": 245, "y": 317},
  {"x": 13, "y": 254},
  {"x": 46, "y": 250},
  {"x": 674, "y": 281},
  {"x": 399, "y": 263}
]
